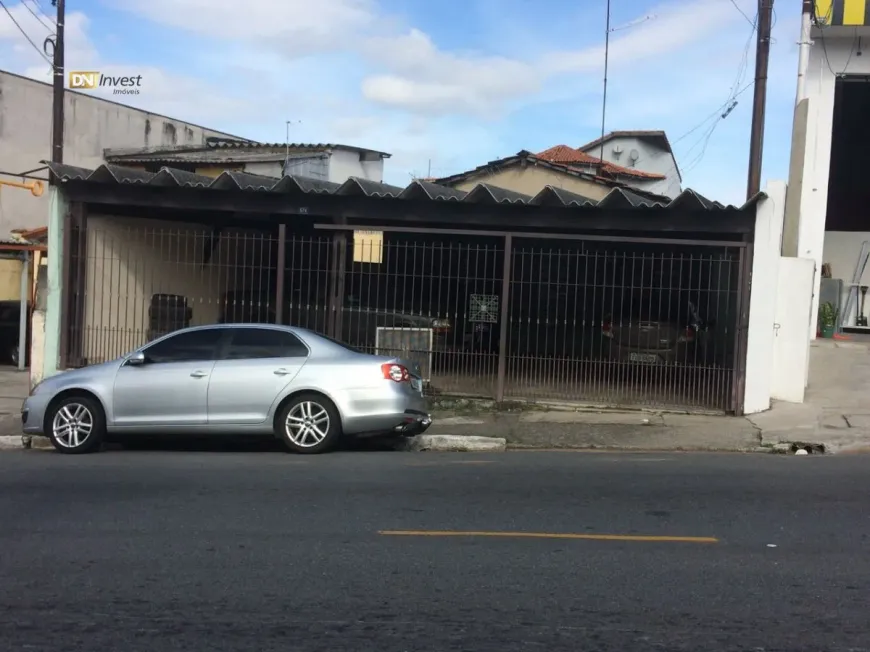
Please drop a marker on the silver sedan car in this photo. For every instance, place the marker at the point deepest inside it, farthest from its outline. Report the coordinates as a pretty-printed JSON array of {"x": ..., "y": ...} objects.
[{"x": 232, "y": 379}]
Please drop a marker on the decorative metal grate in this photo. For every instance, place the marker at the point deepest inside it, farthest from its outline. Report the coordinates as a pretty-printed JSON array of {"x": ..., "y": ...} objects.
[{"x": 483, "y": 308}]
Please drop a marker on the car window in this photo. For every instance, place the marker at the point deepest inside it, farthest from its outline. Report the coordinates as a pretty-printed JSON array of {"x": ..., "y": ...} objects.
[
  {"x": 186, "y": 347},
  {"x": 254, "y": 343},
  {"x": 343, "y": 345}
]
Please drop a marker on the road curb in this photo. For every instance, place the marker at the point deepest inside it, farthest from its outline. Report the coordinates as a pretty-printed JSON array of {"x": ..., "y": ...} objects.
[
  {"x": 12, "y": 443},
  {"x": 453, "y": 444}
]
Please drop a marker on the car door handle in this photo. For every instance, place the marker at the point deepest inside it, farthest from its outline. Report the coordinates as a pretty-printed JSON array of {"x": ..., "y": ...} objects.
[
  {"x": 281, "y": 372},
  {"x": 198, "y": 374}
]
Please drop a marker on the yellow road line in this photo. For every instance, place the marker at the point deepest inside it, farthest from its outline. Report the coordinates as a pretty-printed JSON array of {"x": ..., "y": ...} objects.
[{"x": 548, "y": 535}]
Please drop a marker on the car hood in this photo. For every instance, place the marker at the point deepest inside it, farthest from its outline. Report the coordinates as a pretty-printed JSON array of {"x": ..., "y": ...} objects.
[{"x": 76, "y": 375}]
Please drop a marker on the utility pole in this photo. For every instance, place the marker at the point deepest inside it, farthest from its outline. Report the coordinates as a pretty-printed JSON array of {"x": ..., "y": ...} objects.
[
  {"x": 804, "y": 48},
  {"x": 57, "y": 97},
  {"x": 762, "y": 58}
]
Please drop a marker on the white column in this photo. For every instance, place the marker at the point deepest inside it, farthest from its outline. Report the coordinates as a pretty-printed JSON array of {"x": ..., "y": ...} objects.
[
  {"x": 769, "y": 215},
  {"x": 820, "y": 84}
]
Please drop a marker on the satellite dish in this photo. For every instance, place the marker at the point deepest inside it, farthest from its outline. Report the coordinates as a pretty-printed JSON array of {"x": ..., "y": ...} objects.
[{"x": 633, "y": 155}]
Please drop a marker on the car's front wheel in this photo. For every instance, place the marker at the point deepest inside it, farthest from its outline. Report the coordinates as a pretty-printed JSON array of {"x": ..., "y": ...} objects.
[
  {"x": 76, "y": 425},
  {"x": 309, "y": 424}
]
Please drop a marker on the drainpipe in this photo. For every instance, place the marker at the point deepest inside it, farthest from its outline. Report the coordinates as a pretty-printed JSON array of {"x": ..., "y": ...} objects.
[{"x": 804, "y": 49}]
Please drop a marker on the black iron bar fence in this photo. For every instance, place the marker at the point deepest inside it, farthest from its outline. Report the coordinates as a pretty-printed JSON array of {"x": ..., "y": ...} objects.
[{"x": 607, "y": 323}]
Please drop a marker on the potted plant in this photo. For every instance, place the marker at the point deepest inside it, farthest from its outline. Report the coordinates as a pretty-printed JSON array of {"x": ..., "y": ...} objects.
[{"x": 827, "y": 319}]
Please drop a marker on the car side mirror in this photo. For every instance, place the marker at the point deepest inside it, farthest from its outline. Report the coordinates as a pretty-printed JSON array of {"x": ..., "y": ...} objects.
[{"x": 136, "y": 359}]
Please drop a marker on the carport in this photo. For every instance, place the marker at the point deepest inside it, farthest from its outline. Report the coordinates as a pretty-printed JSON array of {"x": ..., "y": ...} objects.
[{"x": 633, "y": 300}]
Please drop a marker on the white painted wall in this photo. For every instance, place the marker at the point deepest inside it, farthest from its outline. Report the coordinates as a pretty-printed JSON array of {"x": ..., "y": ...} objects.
[
  {"x": 652, "y": 159},
  {"x": 91, "y": 125},
  {"x": 841, "y": 250},
  {"x": 762, "y": 300},
  {"x": 836, "y": 55},
  {"x": 791, "y": 346},
  {"x": 344, "y": 164}
]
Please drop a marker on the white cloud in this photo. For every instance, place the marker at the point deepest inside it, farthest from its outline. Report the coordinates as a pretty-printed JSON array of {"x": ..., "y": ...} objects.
[
  {"x": 427, "y": 80},
  {"x": 292, "y": 27},
  {"x": 673, "y": 27},
  {"x": 424, "y": 79}
]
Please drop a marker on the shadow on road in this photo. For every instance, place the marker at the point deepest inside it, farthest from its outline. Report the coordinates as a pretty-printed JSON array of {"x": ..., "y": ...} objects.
[{"x": 246, "y": 444}]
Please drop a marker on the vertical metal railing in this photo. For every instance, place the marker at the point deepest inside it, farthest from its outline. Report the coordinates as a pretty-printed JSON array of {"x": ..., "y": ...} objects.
[
  {"x": 616, "y": 324},
  {"x": 433, "y": 300}
]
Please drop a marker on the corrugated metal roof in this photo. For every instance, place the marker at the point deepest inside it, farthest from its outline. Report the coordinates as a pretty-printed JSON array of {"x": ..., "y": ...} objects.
[
  {"x": 618, "y": 198},
  {"x": 228, "y": 147},
  {"x": 228, "y": 143},
  {"x": 215, "y": 157}
]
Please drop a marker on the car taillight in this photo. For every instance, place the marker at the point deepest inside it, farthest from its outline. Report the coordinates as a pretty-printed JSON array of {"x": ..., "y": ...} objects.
[
  {"x": 395, "y": 372},
  {"x": 607, "y": 329},
  {"x": 687, "y": 336}
]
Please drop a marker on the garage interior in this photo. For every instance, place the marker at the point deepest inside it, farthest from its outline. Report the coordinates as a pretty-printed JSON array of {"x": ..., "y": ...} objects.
[{"x": 847, "y": 221}]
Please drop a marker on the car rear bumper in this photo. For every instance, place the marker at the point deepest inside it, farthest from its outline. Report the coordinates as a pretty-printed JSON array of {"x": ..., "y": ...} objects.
[{"x": 396, "y": 411}]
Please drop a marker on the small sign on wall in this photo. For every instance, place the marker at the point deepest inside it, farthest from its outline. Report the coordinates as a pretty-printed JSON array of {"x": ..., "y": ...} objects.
[{"x": 368, "y": 247}]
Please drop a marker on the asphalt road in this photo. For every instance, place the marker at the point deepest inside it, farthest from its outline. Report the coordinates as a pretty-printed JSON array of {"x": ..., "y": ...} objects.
[{"x": 261, "y": 551}]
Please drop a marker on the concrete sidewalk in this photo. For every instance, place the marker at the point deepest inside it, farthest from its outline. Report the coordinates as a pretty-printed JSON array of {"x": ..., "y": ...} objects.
[
  {"x": 836, "y": 411},
  {"x": 614, "y": 430}
]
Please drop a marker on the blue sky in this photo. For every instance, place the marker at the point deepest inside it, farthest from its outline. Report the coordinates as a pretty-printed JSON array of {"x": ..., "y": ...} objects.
[{"x": 457, "y": 83}]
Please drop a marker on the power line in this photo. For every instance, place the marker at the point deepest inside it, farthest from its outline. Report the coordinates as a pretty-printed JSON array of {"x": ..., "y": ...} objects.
[
  {"x": 42, "y": 11},
  {"x": 743, "y": 13},
  {"x": 722, "y": 112},
  {"x": 35, "y": 15},
  {"x": 23, "y": 33}
]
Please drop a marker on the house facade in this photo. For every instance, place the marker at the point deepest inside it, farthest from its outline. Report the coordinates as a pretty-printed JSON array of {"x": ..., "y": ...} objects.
[
  {"x": 645, "y": 152},
  {"x": 827, "y": 220},
  {"x": 528, "y": 174},
  {"x": 91, "y": 125}
]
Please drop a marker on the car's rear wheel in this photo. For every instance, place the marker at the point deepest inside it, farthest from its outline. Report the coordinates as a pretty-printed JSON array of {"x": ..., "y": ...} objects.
[
  {"x": 309, "y": 424},
  {"x": 76, "y": 424}
]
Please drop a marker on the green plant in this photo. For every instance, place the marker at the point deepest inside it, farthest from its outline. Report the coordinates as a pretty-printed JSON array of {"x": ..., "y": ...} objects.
[{"x": 827, "y": 315}]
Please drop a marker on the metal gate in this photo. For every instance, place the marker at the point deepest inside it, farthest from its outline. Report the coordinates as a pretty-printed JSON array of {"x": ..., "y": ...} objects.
[{"x": 609, "y": 321}]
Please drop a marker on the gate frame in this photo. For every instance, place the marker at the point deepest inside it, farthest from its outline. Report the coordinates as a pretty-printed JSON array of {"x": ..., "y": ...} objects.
[{"x": 744, "y": 264}]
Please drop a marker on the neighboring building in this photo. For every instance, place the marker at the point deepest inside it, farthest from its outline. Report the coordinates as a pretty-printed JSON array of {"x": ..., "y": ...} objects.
[
  {"x": 642, "y": 158},
  {"x": 91, "y": 125},
  {"x": 827, "y": 217},
  {"x": 325, "y": 162},
  {"x": 528, "y": 174}
]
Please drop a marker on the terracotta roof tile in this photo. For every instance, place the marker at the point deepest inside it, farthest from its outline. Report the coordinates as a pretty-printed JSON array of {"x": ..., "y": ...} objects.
[{"x": 569, "y": 156}]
